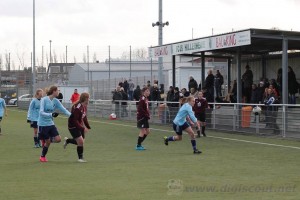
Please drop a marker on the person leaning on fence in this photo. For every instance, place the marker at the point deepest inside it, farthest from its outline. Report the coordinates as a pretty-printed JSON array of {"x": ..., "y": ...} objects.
[
  {"x": 271, "y": 109},
  {"x": 117, "y": 97},
  {"x": 124, "y": 112},
  {"x": 130, "y": 89}
]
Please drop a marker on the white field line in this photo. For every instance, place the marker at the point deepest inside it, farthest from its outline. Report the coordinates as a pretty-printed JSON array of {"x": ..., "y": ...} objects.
[{"x": 221, "y": 138}]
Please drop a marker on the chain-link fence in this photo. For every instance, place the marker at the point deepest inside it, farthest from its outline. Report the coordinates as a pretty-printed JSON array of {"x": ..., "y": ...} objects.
[{"x": 283, "y": 121}]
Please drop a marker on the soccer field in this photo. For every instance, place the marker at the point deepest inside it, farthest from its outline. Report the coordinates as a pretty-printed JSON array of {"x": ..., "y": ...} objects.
[{"x": 230, "y": 167}]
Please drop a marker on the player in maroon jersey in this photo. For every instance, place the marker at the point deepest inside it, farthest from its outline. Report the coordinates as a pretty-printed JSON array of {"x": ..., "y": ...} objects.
[
  {"x": 143, "y": 115},
  {"x": 199, "y": 109},
  {"x": 78, "y": 124}
]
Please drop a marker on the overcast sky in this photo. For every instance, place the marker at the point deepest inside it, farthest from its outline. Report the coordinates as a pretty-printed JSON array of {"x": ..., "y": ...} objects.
[{"x": 121, "y": 23}]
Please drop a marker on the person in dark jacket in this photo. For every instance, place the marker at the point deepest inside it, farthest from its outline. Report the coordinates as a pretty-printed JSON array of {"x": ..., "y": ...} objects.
[
  {"x": 247, "y": 81},
  {"x": 124, "y": 112},
  {"x": 193, "y": 83},
  {"x": 255, "y": 96},
  {"x": 292, "y": 85},
  {"x": 174, "y": 107},
  {"x": 271, "y": 109},
  {"x": 137, "y": 94},
  {"x": 209, "y": 86},
  {"x": 219, "y": 80},
  {"x": 117, "y": 97}
]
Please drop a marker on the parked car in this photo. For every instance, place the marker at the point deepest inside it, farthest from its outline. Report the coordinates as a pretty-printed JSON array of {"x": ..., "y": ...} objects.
[{"x": 14, "y": 101}]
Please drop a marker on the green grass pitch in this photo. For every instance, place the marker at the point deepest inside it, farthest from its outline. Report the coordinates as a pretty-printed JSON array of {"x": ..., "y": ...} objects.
[{"x": 228, "y": 168}]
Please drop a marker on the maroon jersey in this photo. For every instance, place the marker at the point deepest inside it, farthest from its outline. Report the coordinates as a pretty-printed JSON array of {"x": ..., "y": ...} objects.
[
  {"x": 143, "y": 109},
  {"x": 78, "y": 118},
  {"x": 200, "y": 105}
]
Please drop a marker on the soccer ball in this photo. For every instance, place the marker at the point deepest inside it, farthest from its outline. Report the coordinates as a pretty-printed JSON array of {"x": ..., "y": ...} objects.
[
  {"x": 112, "y": 116},
  {"x": 256, "y": 110}
]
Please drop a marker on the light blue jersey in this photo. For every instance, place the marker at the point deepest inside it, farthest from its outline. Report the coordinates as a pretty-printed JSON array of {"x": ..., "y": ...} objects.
[
  {"x": 2, "y": 107},
  {"x": 184, "y": 111},
  {"x": 33, "y": 110},
  {"x": 47, "y": 107}
]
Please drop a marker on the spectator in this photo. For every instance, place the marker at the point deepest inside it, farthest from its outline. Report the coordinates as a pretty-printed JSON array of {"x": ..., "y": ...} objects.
[
  {"x": 193, "y": 83},
  {"x": 60, "y": 96},
  {"x": 174, "y": 107},
  {"x": 255, "y": 95},
  {"x": 137, "y": 94},
  {"x": 261, "y": 90},
  {"x": 155, "y": 94},
  {"x": 185, "y": 92},
  {"x": 219, "y": 80},
  {"x": 170, "y": 95},
  {"x": 75, "y": 96},
  {"x": 130, "y": 90},
  {"x": 193, "y": 92},
  {"x": 126, "y": 86},
  {"x": 209, "y": 86},
  {"x": 279, "y": 79},
  {"x": 124, "y": 112},
  {"x": 117, "y": 97},
  {"x": 233, "y": 92},
  {"x": 292, "y": 85},
  {"x": 271, "y": 109},
  {"x": 247, "y": 80}
]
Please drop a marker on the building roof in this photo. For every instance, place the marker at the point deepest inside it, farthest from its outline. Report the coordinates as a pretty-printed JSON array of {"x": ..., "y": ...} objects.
[
  {"x": 257, "y": 42},
  {"x": 118, "y": 66}
]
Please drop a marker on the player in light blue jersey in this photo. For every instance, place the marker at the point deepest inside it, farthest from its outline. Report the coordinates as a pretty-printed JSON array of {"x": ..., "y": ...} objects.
[
  {"x": 3, "y": 110},
  {"x": 47, "y": 130},
  {"x": 180, "y": 124},
  {"x": 33, "y": 115}
]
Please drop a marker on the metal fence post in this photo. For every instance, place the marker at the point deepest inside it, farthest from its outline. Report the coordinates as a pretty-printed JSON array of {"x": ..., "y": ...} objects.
[{"x": 234, "y": 117}]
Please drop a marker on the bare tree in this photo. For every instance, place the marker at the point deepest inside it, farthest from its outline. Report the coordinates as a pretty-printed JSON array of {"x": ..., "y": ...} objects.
[
  {"x": 136, "y": 54},
  {"x": 7, "y": 59},
  {"x": 94, "y": 57},
  {"x": 84, "y": 58},
  {"x": 1, "y": 62},
  {"x": 54, "y": 57}
]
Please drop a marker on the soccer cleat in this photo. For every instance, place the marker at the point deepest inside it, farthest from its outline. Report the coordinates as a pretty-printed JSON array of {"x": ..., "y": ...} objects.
[
  {"x": 81, "y": 161},
  {"x": 43, "y": 159},
  {"x": 197, "y": 151},
  {"x": 139, "y": 148},
  {"x": 166, "y": 140},
  {"x": 65, "y": 143},
  {"x": 36, "y": 145}
]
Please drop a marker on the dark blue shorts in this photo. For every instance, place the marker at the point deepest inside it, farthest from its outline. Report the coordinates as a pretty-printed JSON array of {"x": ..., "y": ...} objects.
[
  {"x": 178, "y": 129},
  {"x": 46, "y": 132},
  {"x": 33, "y": 124}
]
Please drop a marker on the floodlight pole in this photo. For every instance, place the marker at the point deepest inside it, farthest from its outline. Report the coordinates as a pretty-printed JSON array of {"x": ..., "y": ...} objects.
[
  {"x": 160, "y": 25},
  {"x": 33, "y": 54}
]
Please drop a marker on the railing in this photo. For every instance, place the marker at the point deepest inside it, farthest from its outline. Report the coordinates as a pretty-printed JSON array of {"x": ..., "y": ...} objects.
[{"x": 284, "y": 121}]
